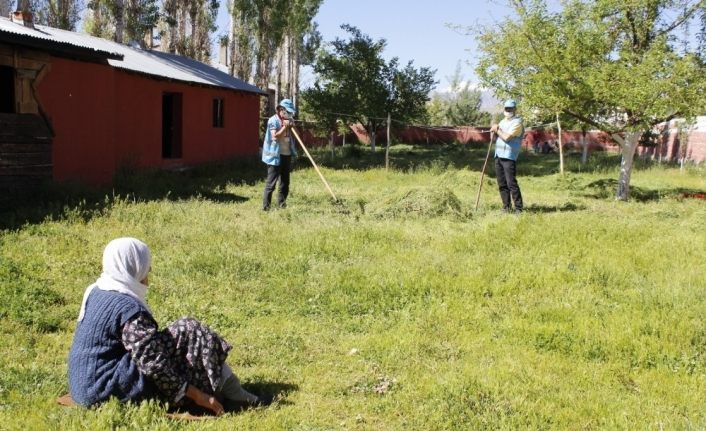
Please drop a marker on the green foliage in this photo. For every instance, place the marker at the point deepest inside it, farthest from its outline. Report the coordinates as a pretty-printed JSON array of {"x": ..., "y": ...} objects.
[
  {"x": 63, "y": 14},
  {"x": 611, "y": 65},
  {"x": 460, "y": 107},
  {"x": 398, "y": 308},
  {"x": 141, "y": 17},
  {"x": 604, "y": 62},
  {"x": 355, "y": 83}
]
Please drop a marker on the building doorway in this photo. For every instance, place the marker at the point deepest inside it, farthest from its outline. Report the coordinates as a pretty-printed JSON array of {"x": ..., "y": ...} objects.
[
  {"x": 7, "y": 90},
  {"x": 171, "y": 125}
]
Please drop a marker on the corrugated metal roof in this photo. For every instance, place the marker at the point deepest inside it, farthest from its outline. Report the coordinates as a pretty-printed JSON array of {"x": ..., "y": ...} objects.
[{"x": 155, "y": 63}]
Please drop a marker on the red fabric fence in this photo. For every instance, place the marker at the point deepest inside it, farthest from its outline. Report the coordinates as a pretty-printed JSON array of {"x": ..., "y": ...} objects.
[{"x": 667, "y": 145}]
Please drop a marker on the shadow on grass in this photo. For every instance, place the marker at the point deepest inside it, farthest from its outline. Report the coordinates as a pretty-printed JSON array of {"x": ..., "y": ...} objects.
[
  {"x": 60, "y": 201},
  {"x": 544, "y": 209},
  {"x": 274, "y": 389},
  {"x": 264, "y": 389},
  {"x": 208, "y": 182},
  {"x": 605, "y": 188}
]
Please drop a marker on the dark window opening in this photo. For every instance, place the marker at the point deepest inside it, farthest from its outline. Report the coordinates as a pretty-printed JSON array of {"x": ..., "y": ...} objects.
[
  {"x": 171, "y": 125},
  {"x": 218, "y": 112},
  {"x": 7, "y": 90}
]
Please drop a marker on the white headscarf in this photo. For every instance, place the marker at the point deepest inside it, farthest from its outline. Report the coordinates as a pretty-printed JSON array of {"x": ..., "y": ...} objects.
[{"x": 126, "y": 262}]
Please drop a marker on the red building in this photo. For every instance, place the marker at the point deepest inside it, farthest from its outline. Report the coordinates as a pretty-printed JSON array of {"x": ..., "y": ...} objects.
[{"x": 109, "y": 106}]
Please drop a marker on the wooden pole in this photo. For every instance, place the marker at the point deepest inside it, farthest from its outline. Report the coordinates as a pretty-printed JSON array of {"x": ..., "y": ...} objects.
[
  {"x": 296, "y": 135},
  {"x": 561, "y": 147},
  {"x": 387, "y": 149},
  {"x": 485, "y": 164}
]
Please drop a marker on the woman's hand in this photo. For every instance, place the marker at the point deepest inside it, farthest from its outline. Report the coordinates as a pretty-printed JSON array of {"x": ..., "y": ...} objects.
[{"x": 204, "y": 400}]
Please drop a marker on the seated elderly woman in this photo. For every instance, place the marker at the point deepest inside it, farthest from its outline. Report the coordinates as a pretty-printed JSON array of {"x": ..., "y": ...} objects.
[{"x": 119, "y": 351}]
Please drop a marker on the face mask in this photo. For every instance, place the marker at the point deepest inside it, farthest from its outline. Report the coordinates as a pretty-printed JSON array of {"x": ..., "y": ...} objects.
[{"x": 508, "y": 115}]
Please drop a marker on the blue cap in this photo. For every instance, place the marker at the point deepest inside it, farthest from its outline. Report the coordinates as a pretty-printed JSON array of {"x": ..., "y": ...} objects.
[
  {"x": 509, "y": 103},
  {"x": 288, "y": 105}
]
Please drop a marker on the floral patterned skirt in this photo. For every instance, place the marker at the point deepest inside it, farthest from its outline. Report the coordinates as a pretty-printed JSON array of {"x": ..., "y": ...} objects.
[{"x": 201, "y": 353}]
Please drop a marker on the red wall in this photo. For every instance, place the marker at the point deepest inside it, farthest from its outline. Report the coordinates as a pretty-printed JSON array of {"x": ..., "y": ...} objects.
[{"x": 105, "y": 118}]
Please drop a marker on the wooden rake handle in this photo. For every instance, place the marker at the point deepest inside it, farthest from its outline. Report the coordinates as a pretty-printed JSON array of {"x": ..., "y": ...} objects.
[
  {"x": 296, "y": 135},
  {"x": 485, "y": 165}
]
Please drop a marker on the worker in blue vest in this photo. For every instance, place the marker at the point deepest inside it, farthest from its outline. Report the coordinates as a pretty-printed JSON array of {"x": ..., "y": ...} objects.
[
  {"x": 507, "y": 147},
  {"x": 277, "y": 151}
]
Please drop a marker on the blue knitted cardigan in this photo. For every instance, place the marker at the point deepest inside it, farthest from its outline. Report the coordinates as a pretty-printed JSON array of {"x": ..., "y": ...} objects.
[{"x": 99, "y": 365}]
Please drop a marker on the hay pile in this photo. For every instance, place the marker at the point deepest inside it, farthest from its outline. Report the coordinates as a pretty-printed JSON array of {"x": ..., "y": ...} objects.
[{"x": 418, "y": 203}]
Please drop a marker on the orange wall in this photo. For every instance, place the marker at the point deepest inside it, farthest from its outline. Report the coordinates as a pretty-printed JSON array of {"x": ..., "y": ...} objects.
[{"x": 105, "y": 118}]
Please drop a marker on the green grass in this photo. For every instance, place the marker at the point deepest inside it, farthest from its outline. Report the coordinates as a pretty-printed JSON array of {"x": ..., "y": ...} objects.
[{"x": 400, "y": 307}]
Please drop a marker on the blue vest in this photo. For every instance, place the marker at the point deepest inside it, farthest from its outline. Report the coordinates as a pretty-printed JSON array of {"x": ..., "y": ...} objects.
[
  {"x": 509, "y": 149},
  {"x": 270, "y": 147},
  {"x": 99, "y": 365}
]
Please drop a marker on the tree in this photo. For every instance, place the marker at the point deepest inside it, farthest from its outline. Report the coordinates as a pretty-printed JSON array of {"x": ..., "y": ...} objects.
[
  {"x": 272, "y": 35},
  {"x": 460, "y": 107},
  {"x": 612, "y": 64},
  {"x": 241, "y": 43},
  {"x": 270, "y": 25},
  {"x": 122, "y": 20},
  {"x": 189, "y": 25},
  {"x": 98, "y": 23},
  {"x": 701, "y": 36},
  {"x": 141, "y": 16},
  {"x": 354, "y": 82},
  {"x": 63, "y": 14},
  {"x": 301, "y": 40},
  {"x": 6, "y": 7}
]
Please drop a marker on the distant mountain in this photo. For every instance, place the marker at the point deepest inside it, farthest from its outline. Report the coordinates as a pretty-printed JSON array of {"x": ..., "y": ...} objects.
[{"x": 489, "y": 103}]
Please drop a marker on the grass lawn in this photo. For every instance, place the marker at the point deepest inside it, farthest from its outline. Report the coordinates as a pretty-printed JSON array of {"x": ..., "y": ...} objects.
[{"x": 399, "y": 308}]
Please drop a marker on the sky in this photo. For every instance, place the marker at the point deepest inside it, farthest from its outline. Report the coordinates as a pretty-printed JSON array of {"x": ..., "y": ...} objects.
[{"x": 414, "y": 30}]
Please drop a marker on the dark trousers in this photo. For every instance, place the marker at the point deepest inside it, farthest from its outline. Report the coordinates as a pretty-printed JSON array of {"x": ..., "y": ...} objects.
[
  {"x": 275, "y": 173},
  {"x": 507, "y": 183}
]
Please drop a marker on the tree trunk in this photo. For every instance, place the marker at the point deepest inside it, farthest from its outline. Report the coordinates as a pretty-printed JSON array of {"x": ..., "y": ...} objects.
[
  {"x": 280, "y": 71},
  {"x": 291, "y": 49},
  {"x": 170, "y": 9},
  {"x": 5, "y": 8},
  {"x": 194, "y": 51},
  {"x": 181, "y": 32},
  {"x": 242, "y": 54},
  {"x": 561, "y": 146},
  {"x": 628, "y": 147},
  {"x": 331, "y": 144},
  {"x": 584, "y": 148},
  {"x": 119, "y": 20},
  {"x": 230, "y": 63},
  {"x": 295, "y": 65},
  {"x": 371, "y": 131}
]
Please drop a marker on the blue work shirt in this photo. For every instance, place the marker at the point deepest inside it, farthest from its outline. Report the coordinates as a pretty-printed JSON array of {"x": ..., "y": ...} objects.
[
  {"x": 270, "y": 146},
  {"x": 510, "y": 149}
]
